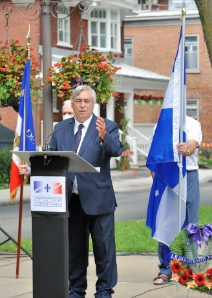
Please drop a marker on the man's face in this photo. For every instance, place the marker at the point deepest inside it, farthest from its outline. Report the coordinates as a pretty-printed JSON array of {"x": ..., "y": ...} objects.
[
  {"x": 67, "y": 111},
  {"x": 83, "y": 106}
]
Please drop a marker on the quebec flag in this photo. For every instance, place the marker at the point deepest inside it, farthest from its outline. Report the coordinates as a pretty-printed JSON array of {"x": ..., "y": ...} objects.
[{"x": 164, "y": 161}]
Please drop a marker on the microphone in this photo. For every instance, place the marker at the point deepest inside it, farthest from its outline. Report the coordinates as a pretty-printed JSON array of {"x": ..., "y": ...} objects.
[{"x": 46, "y": 147}]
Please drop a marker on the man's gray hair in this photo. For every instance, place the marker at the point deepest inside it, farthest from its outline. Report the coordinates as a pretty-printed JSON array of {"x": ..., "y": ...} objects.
[
  {"x": 82, "y": 88},
  {"x": 67, "y": 101}
]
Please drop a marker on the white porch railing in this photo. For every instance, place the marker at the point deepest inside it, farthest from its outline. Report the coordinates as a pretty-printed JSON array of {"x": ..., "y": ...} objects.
[{"x": 138, "y": 143}]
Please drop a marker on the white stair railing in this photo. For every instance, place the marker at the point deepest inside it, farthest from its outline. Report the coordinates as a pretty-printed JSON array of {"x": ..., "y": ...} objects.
[{"x": 138, "y": 143}]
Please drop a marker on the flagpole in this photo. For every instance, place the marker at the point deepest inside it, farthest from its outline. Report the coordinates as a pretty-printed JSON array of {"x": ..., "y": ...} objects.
[
  {"x": 182, "y": 113},
  {"x": 22, "y": 176},
  {"x": 19, "y": 227}
]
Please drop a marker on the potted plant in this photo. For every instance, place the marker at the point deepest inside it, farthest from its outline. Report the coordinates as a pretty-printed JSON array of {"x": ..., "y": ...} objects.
[
  {"x": 88, "y": 67},
  {"x": 12, "y": 61}
]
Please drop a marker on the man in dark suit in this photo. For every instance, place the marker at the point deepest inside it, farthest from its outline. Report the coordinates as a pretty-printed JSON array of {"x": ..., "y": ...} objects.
[{"x": 91, "y": 195}]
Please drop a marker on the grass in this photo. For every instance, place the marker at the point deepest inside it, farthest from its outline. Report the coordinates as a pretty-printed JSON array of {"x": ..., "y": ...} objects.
[{"x": 131, "y": 236}]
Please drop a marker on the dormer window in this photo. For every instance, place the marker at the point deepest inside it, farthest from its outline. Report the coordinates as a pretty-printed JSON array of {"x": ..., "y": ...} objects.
[
  {"x": 63, "y": 26},
  {"x": 104, "y": 29}
]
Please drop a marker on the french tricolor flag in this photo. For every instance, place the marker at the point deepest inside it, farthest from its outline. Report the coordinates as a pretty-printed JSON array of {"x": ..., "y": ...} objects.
[
  {"x": 24, "y": 135},
  {"x": 165, "y": 162}
]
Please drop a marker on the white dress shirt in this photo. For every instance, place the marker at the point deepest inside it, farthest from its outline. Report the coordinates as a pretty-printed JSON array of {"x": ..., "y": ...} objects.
[
  {"x": 193, "y": 132},
  {"x": 84, "y": 130}
]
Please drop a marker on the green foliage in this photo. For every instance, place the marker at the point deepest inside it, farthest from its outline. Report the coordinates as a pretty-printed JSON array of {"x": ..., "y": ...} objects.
[
  {"x": 177, "y": 246},
  {"x": 180, "y": 246},
  {"x": 206, "y": 161},
  {"x": 205, "y": 13},
  {"x": 204, "y": 153},
  {"x": 190, "y": 250},
  {"x": 123, "y": 123},
  {"x": 5, "y": 163}
]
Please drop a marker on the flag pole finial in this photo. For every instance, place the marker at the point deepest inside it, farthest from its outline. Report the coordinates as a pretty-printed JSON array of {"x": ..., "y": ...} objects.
[
  {"x": 28, "y": 42},
  {"x": 183, "y": 12}
]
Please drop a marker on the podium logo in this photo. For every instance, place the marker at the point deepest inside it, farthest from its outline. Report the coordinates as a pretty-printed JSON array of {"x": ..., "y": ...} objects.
[{"x": 50, "y": 188}]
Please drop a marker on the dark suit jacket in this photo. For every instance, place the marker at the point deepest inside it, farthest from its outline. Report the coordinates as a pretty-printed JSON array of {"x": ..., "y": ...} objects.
[{"x": 95, "y": 189}]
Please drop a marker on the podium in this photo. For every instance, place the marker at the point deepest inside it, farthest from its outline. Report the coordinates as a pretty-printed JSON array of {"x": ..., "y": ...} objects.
[{"x": 49, "y": 210}]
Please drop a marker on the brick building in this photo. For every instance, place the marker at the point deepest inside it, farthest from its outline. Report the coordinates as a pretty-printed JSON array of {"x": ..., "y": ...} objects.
[
  {"x": 148, "y": 40},
  {"x": 153, "y": 38},
  {"x": 102, "y": 24}
]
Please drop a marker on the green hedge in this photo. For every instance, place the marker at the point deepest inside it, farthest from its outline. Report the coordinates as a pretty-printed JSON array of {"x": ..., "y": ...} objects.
[{"x": 5, "y": 164}]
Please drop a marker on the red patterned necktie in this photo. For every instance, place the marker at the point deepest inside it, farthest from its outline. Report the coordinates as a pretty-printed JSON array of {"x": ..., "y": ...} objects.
[{"x": 77, "y": 137}]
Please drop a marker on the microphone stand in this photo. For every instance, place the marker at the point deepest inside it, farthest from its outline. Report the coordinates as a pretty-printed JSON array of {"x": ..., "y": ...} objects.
[{"x": 46, "y": 146}]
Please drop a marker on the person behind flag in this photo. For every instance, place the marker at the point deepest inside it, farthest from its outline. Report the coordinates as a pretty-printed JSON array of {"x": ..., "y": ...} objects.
[
  {"x": 190, "y": 150},
  {"x": 168, "y": 191},
  {"x": 67, "y": 110},
  {"x": 167, "y": 208}
]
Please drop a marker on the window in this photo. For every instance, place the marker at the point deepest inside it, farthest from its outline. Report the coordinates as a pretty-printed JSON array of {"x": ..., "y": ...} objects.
[
  {"x": 114, "y": 29},
  {"x": 128, "y": 51},
  {"x": 54, "y": 101},
  {"x": 192, "y": 53},
  {"x": 179, "y": 4},
  {"x": 63, "y": 26},
  {"x": 192, "y": 108},
  {"x": 104, "y": 28}
]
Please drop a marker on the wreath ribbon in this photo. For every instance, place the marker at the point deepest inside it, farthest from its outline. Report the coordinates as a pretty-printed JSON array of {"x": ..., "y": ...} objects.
[{"x": 197, "y": 233}]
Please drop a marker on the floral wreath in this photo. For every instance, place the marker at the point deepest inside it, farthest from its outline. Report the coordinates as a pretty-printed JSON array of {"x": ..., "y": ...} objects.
[
  {"x": 88, "y": 67},
  {"x": 187, "y": 267}
]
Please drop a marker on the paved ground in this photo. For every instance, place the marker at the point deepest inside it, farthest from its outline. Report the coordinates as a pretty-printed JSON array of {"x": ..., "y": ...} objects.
[
  {"x": 135, "y": 272},
  {"x": 135, "y": 275}
]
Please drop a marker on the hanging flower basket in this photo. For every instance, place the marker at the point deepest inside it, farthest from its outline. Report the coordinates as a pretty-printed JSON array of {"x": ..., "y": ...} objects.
[
  {"x": 12, "y": 62},
  {"x": 89, "y": 67}
]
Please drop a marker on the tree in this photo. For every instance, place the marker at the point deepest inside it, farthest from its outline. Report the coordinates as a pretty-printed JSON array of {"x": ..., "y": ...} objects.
[{"x": 205, "y": 12}]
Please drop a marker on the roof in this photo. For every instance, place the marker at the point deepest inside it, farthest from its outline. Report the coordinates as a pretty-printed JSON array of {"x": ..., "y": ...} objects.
[
  {"x": 6, "y": 137},
  {"x": 130, "y": 78},
  {"x": 6, "y": 133},
  {"x": 160, "y": 14},
  {"x": 132, "y": 71}
]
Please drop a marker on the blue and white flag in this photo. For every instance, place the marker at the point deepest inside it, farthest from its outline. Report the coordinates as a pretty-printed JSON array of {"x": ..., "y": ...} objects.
[
  {"x": 27, "y": 133},
  {"x": 24, "y": 134},
  {"x": 164, "y": 161}
]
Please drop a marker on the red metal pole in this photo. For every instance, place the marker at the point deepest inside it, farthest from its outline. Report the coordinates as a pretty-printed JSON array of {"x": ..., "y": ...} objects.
[{"x": 19, "y": 227}]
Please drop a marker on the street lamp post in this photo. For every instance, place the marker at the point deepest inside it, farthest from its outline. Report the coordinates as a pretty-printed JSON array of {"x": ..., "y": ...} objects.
[
  {"x": 33, "y": 11},
  {"x": 47, "y": 62}
]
